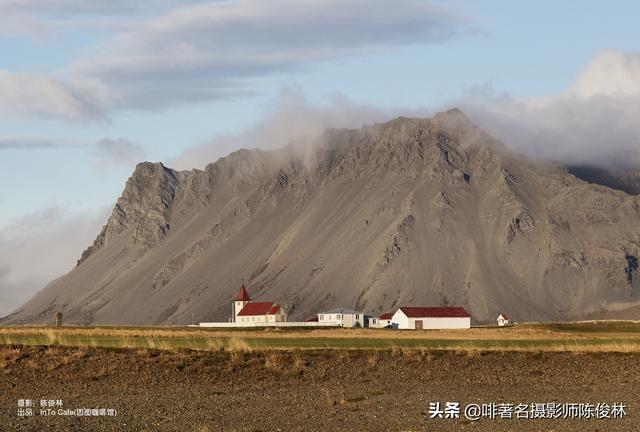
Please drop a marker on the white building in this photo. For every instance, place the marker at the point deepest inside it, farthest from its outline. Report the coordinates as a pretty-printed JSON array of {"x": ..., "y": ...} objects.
[
  {"x": 382, "y": 321},
  {"x": 419, "y": 318},
  {"x": 343, "y": 318},
  {"x": 503, "y": 320},
  {"x": 246, "y": 311}
]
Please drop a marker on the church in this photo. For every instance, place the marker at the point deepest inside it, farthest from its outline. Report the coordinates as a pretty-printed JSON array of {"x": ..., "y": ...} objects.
[{"x": 244, "y": 310}]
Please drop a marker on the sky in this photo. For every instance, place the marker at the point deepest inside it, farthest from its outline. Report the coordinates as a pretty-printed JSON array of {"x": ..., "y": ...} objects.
[{"x": 89, "y": 88}]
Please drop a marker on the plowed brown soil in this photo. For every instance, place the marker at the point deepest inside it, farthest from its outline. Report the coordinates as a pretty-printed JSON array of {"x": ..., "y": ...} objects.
[{"x": 306, "y": 391}]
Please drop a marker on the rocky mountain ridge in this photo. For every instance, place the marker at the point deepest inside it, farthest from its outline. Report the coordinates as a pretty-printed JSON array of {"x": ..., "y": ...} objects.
[{"x": 413, "y": 211}]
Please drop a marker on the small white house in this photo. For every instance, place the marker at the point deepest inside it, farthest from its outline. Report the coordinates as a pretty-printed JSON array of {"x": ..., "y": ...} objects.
[
  {"x": 503, "y": 320},
  {"x": 343, "y": 318},
  {"x": 382, "y": 321},
  {"x": 418, "y": 318}
]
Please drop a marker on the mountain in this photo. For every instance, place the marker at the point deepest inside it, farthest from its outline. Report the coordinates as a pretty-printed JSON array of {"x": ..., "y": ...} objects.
[{"x": 414, "y": 211}]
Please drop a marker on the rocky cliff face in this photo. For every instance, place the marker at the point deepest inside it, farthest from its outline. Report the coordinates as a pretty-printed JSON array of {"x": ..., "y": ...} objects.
[
  {"x": 414, "y": 211},
  {"x": 144, "y": 208}
]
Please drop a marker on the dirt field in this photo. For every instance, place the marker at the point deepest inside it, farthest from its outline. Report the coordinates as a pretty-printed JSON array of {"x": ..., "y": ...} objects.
[{"x": 155, "y": 390}]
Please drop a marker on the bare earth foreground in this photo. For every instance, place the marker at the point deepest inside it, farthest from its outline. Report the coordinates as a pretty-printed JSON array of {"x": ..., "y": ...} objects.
[{"x": 307, "y": 390}]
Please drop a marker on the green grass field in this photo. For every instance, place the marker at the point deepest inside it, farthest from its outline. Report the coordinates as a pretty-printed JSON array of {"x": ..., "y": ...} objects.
[{"x": 573, "y": 337}]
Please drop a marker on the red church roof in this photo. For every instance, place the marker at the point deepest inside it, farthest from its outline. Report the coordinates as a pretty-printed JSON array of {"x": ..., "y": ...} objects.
[
  {"x": 259, "y": 308},
  {"x": 435, "y": 312},
  {"x": 243, "y": 295},
  {"x": 386, "y": 316}
]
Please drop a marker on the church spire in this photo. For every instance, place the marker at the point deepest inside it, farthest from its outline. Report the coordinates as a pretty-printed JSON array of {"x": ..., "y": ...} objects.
[{"x": 243, "y": 295}]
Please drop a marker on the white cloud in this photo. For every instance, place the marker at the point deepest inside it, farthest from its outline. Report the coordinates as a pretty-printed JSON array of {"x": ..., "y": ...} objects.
[
  {"x": 84, "y": 7},
  {"x": 610, "y": 73},
  {"x": 595, "y": 122},
  {"x": 118, "y": 151},
  {"x": 39, "y": 247},
  {"x": 45, "y": 96},
  {"x": 44, "y": 19},
  {"x": 25, "y": 142},
  {"x": 213, "y": 51},
  {"x": 291, "y": 117},
  {"x": 21, "y": 24}
]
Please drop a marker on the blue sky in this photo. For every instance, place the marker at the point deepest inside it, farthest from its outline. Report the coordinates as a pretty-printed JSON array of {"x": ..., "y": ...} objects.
[
  {"x": 166, "y": 80},
  {"x": 528, "y": 49}
]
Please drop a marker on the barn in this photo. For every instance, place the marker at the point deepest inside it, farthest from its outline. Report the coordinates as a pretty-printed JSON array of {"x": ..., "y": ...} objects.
[{"x": 418, "y": 318}]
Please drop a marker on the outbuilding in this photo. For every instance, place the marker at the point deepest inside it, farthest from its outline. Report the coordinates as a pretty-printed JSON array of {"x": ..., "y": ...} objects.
[
  {"x": 418, "y": 318},
  {"x": 383, "y": 321},
  {"x": 503, "y": 320}
]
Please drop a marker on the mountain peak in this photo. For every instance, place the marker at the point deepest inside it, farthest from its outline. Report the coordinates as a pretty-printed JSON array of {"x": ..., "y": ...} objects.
[{"x": 454, "y": 112}]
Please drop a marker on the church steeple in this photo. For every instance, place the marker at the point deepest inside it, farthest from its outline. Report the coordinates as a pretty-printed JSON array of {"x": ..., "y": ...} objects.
[
  {"x": 243, "y": 295},
  {"x": 242, "y": 299}
]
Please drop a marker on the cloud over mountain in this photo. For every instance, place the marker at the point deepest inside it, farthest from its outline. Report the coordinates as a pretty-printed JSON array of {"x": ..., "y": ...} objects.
[
  {"x": 119, "y": 150},
  {"x": 292, "y": 117},
  {"x": 596, "y": 121}
]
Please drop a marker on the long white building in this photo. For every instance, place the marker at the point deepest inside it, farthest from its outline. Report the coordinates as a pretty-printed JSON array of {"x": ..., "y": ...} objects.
[{"x": 418, "y": 318}]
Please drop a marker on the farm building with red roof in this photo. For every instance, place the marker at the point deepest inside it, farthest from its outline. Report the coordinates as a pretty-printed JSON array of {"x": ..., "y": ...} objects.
[{"x": 418, "y": 318}]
